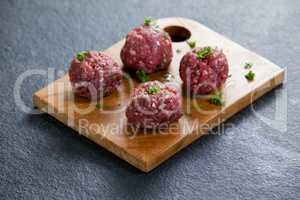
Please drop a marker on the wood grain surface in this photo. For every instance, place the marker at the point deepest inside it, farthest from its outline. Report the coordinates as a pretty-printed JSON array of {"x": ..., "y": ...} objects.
[{"x": 107, "y": 127}]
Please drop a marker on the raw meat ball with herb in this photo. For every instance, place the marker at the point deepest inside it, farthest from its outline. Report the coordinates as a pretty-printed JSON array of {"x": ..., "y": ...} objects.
[
  {"x": 94, "y": 74},
  {"x": 154, "y": 105},
  {"x": 203, "y": 70},
  {"x": 147, "y": 48}
]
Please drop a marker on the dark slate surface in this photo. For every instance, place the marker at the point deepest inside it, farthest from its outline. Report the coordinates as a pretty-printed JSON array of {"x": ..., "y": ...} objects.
[{"x": 42, "y": 159}]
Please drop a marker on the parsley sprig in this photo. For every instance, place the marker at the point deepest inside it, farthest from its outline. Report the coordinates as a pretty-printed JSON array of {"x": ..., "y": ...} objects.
[
  {"x": 80, "y": 56},
  {"x": 149, "y": 21},
  {"x": 217, "y": 99},
  {"x": 250, "y": 75},
  {"x": 203, "y": 53},
  {"x": 191, "y": 43},
  {"x": 142, "y": 76},
  {"x": 153, "y": 89}
]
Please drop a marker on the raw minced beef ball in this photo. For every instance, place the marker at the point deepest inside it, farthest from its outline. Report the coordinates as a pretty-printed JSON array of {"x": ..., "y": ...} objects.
[
  {"x": 203, "y": 70},
  {"x": 154, "y": 105},
  {"x": 147, "y": 48},
  {"x": 94, "y": 74}
]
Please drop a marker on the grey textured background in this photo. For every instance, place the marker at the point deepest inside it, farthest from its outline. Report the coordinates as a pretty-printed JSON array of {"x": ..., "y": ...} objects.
[{"x": 42, "y": 159}]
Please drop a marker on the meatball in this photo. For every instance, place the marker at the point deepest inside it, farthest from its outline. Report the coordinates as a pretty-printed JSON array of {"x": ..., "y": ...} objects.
[
  {"x": 154, "y": 105},
  {"x": 203, "y": 70},
  {"x": 147, "y": 48},
  {"x": 93, "y": 74}
]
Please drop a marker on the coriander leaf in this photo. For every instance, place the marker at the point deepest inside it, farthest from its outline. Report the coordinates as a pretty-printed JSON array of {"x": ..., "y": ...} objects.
[
  {"x": 203, "y": 53},
  {"x": 153, "y": 89},
  {"x": 142, "y": 75},
  {"x": 248, "y": 65},
  {"x": 217, "y": 99},
  {"x": 149, "y": 21},
  {"x": 81, "y": 56},
  {"x": 250, "y": 75},
  {"x": 192, "y": 44}
]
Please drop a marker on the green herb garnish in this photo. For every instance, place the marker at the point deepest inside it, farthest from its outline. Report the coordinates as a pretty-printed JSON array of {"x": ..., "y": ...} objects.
[
  {"x": 192, "y": 44},
  {"x": 217, "y": 99},
  {"x": 248, "y": 65},
  {"x": 98, "y": 106},
  {"x": 203, "y": 53},
  {"x": 178, "y": 50},
  {"x": 81, "y": 56},
  {"x": 149, "y": 21},
  {"x": 153, "y": 89},
  {"x": 141, "y": 74},
  {"x": 250, "y": 75},
  {"x": 230, "y": 75}
]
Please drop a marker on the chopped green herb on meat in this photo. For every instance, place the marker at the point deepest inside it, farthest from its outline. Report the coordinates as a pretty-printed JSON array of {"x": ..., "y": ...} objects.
[
  {"x": 153, "y": 89},
  {"x": 178, "y": 50},
  {"x": 203, "y": 53},
  {"x": 250, "y": 75},
  {"x": 192, "y": 44},
  {"x": 81, "y": 56},
  {"x": 149, "y": 21},
  {"x": 141, "y": 74}
]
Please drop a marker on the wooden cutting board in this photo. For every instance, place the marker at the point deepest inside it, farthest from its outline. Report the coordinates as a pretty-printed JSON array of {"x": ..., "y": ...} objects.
[{"x": 107, "y": 126}]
